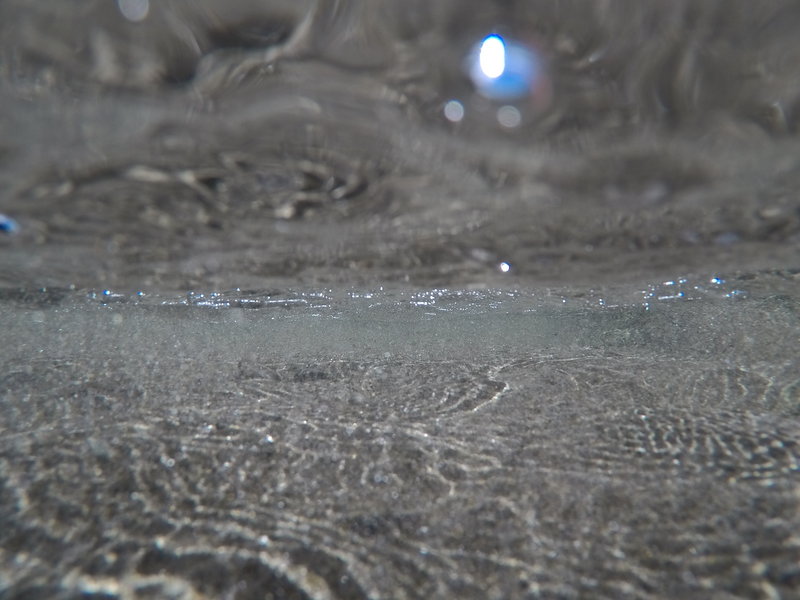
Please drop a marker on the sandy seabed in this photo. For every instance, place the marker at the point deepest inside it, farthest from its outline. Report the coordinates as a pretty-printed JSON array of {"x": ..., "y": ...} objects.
[{"x": 278, "y": 325}]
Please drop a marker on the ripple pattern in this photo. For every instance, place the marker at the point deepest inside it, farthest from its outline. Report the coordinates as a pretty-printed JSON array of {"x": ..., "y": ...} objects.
[{"x": 549, "y": 477}]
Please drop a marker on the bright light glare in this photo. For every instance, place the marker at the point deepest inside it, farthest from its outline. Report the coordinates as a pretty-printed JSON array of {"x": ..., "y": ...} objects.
[{"x": 492, "y": 57}]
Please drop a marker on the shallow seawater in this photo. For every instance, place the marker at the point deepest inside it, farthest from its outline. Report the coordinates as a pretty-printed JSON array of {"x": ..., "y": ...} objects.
[
  {"x": 356, "y": 300},
  {"x": 678, "y": 318}
]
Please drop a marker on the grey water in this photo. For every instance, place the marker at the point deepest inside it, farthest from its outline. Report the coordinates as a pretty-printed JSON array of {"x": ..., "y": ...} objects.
[{"x": 352, "y": 299}]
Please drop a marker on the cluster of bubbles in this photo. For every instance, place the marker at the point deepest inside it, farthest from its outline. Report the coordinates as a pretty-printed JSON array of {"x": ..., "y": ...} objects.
[{"x": 510, "y": 75}]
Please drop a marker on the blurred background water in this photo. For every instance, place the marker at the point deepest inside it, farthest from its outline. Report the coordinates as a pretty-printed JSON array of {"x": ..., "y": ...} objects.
[
  {"x": 399, "y": 299},
  {"x": 173, "y": 146}
]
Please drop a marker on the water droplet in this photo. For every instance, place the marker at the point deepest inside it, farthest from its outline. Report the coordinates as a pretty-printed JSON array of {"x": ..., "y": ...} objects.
[
  {"x": 134, "y": 10},
  {"x": 509, "y": 116},
  {"x": 504, "y": 70},
  {"x": 736, "y": 294},
  {"x": 454, "y": 111}
]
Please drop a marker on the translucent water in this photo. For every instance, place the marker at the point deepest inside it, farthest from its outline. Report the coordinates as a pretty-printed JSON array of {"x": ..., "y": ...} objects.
[{"x": 296, "y": 301}]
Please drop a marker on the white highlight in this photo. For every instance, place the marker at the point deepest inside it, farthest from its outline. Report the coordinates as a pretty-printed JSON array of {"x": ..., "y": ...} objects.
[
  {"x": 134, "y": 10},
  {"x": 492, "y": 58},
  {"x": 454, "y": 111},
  {"x": 505, "y": 267}
]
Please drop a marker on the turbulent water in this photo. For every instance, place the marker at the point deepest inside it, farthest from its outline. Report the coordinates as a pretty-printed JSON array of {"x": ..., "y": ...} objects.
[{"x": 300, "y": 303}]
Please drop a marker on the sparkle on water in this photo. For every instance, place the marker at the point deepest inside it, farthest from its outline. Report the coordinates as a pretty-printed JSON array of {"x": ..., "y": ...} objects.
[
  {"x": 492, "y": 56},
  {"x": 8, "y": 225},
  {"x": 504, "y": 70}
]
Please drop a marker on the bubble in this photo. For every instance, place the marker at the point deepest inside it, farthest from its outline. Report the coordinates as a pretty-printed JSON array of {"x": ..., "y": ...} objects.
[
  {"x": 454, "y": 111},
  {"x": 509, "y": 116},
  {"x": 134, "y": 10}
]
